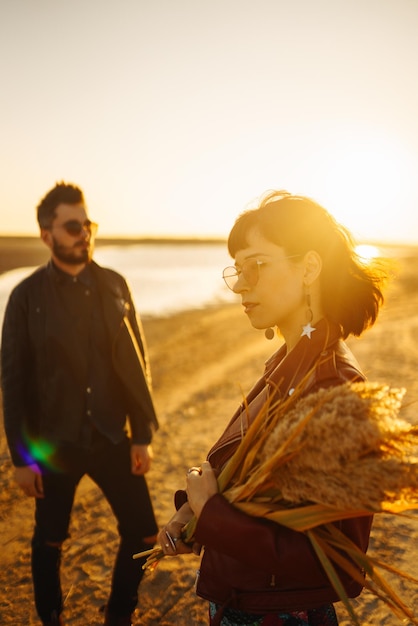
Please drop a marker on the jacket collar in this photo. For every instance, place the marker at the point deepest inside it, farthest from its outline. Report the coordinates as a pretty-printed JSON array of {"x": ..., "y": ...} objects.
[
  {"x": 62, "y": 278},
  {"x": 283, "y": 372}
]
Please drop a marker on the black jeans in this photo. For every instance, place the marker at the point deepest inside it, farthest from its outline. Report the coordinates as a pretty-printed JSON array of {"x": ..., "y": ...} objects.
[{"x": 109, "y": 466}]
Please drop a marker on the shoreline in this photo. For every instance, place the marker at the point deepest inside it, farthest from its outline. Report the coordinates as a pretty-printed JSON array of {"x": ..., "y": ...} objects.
[{"x": 28, "y": 251}]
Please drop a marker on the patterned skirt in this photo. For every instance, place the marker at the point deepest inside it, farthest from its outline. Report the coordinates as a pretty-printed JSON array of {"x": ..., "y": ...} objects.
[{"x": 323, "y": 616}]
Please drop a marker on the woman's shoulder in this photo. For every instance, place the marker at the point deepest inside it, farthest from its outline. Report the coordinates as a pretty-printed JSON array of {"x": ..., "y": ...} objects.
[{"x": 337, "y": 365}]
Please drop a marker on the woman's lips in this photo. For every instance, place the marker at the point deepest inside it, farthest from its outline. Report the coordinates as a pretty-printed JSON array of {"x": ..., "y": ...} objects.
[{"x": 249, "y": 306}]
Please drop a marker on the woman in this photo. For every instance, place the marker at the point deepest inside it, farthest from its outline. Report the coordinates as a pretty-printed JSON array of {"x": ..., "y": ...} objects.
[{"x": 295, "y": 270}]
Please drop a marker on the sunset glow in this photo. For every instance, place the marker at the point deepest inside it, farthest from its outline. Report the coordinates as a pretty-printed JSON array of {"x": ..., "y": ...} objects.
[{"x": 172, "y": 116}]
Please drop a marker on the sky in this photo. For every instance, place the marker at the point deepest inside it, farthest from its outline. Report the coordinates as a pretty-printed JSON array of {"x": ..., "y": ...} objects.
[{"x": 174, "y": 115}]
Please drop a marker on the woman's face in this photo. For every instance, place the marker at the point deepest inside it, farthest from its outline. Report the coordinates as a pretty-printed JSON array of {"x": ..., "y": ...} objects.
[{"x": 277, "y": 298}]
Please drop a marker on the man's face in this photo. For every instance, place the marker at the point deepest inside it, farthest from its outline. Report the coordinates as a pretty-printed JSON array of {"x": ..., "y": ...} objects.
[{"x": 71, "y": 236}]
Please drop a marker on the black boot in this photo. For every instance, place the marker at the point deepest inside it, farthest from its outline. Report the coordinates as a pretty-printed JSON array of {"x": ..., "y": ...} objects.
[
  {"x": 46, "y": 562},
  {"x": 116, "y": 620},
  {"x": 56, "y": 620}
]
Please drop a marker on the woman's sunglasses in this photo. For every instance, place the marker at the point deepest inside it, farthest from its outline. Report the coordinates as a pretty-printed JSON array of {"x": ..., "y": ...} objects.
[{"x": 250, "y": 270}]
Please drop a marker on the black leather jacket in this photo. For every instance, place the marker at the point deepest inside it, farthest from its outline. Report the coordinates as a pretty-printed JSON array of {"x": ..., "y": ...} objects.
[{"x": 30, "y": 401}]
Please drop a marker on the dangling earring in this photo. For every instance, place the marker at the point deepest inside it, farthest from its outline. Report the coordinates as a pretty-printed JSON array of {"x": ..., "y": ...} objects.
[
  {"x": 269, "y": 333},
  {"x": 308, "y": 329}
]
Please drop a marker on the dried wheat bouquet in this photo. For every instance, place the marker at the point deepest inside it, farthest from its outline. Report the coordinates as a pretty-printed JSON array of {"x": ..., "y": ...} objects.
[
  {"x": 337, "y": 453},
  {"x": 344, "y": 447}
]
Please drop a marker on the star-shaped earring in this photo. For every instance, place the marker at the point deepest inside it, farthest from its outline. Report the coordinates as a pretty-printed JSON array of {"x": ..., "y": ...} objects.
[{"x": 307, "y": 330}]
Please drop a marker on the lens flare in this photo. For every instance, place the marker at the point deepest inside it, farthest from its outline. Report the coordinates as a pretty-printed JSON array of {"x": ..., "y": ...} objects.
[{"x": 39, "y": 450}]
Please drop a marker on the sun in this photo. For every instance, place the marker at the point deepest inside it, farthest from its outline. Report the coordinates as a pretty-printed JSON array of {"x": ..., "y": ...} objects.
[{"x": 367, "y": 252}]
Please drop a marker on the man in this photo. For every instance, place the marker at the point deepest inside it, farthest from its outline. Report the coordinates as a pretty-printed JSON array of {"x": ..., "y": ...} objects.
[{"x": 74, "y": 374}]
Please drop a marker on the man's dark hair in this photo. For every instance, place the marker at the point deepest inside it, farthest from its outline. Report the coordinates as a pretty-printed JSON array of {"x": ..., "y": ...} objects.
[{"x": 61, "y": 193}]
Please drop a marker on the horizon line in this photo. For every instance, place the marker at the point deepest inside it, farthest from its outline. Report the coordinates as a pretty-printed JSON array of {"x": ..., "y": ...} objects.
[{"x": 185, "y": 239}]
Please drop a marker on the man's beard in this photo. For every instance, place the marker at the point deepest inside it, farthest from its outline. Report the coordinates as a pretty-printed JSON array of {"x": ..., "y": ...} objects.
[{"x": 74, "y": 255}]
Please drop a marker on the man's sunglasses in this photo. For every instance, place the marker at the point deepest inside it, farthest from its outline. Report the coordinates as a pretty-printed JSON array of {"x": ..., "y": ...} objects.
[{"x": 75, "y": 228}]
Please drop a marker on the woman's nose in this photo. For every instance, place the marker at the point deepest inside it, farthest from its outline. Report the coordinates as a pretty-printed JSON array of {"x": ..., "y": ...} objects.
[{"x": 240, "y": 284}]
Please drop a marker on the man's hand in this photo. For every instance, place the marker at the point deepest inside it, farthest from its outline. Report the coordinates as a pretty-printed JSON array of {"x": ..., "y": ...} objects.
[
  {"x": 141, "y": 457},
  {"x": 29, "y": 479}
]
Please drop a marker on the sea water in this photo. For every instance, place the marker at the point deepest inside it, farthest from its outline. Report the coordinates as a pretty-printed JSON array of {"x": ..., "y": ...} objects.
[{"x": 164, "y": 278}]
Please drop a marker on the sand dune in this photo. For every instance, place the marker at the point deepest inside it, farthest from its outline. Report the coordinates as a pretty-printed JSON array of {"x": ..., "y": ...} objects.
[{"x": 202, "y": 361}]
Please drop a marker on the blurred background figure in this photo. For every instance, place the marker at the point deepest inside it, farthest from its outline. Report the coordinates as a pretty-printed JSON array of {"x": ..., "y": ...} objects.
[{"x": 77, "y": 400}]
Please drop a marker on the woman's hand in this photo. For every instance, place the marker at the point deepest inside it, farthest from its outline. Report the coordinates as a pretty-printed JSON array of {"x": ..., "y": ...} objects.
[
  {"x": 201, "y": 486},
  {"x": 169, "y": 536}
]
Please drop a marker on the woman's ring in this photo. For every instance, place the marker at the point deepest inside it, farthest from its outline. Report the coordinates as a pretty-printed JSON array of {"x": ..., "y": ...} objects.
[{"x": 198, "y": 470}]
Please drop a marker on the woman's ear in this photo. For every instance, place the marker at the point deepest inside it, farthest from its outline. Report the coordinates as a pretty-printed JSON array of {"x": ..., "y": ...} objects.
[{"x": 313, "y": 266}]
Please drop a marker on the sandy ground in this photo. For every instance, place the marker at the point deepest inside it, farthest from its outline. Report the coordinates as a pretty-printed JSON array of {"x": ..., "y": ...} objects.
[{"x": 201, "y": 361}]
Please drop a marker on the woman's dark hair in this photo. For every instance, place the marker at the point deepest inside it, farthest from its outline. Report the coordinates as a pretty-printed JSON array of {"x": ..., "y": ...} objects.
[
  {"x": 350, "y": 290},
  {"x": 61, "y": 193}
]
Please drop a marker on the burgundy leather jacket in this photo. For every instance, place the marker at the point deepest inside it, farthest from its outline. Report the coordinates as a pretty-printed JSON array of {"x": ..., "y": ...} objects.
[{"x": 254, "y": 564}]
